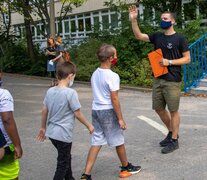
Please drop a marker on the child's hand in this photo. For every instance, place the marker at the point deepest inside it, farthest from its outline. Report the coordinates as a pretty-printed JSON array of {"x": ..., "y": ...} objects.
[
  {"x": 91, "y": 128},
  {"x": 41, "y": 136},
  {"x": 122, "y": 124},
  {"x": 18, "y": 152},
  {"x": 2, "y": 152}
]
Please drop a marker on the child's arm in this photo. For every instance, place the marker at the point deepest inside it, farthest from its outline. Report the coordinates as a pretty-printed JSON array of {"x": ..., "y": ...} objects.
[
  {"x": 83, "y": 120},
  {"x": 41, "y": 136},
  {"x": 117, "y": 108},
  {"x": 50, "y": 53},
  {"x": 59, "y": 56},
  {"x": 11, "y": 129}
]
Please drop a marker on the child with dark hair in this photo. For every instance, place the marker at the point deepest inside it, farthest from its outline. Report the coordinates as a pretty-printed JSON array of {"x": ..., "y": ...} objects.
[
  {"x": 60, "y": 108},
  {"x": 9, "y": 138}
]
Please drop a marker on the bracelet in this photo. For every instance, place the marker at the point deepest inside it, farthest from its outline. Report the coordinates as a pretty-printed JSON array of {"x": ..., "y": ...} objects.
[{"x": 170, "y": 62}]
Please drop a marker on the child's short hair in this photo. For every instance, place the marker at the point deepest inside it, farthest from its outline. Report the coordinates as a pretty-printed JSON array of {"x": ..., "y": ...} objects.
[
  {"x": 105, "y": 52},
  {"x": 59, "y": 39},
  {"x": 64, "y": 69}
]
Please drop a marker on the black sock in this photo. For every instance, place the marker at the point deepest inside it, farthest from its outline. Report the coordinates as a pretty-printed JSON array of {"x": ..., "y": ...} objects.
[
  {"x": 87, "y": 175},
  {"x": 174, "y": 140}
]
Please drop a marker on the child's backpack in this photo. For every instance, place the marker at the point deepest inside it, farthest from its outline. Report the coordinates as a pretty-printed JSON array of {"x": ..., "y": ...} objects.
[{"x": 66, "y": 56}]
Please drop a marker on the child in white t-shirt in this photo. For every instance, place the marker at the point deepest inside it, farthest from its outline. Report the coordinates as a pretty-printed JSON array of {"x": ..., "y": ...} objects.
[
  {"x": 107, "y": 117},
  {"x": 9, "y": 164}
]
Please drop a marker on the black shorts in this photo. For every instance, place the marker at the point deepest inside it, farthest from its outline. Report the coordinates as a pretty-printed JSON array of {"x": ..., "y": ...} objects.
[{"x": 2, "y": 139}]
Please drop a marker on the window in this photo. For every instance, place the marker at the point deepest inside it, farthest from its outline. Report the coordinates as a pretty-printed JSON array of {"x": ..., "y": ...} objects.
[
  {"x": 38, "y": 30},
  {"x": 73, "y": 26},
  {"x": 148, "y": 14},
  {"x": 105, "y": 21},
  {"x": 88, "y": 24},
  {"x": 58, "y": 26},
  {"x": 80, "y": 25},
  {"x": 33, "y": 30},
  {"x": 96, "y": 23},
  {"x": 114, "y": 20},
  {"x": 189, "y": 11},
  {"x": 66, "y": 25},
  {"x": 203, "y": 9}
]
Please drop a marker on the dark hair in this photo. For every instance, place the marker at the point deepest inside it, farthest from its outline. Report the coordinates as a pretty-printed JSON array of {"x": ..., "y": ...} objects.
[
  {"x": 173, "y": 15},
  {"x": 105, "y": 52},
  {"x": 64, "y": 69}
]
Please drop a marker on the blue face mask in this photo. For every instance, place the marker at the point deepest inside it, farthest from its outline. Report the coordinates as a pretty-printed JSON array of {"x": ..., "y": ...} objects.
[{"x": 165, "y": 24}]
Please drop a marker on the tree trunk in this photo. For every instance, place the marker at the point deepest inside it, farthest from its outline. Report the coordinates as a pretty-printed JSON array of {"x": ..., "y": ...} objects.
[{"x": 30, "y": 46}]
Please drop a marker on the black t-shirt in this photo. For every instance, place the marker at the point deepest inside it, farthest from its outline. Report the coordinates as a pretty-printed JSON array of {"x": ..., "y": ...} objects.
[
  {"x": 172, "y": 48},
  {"x": 51, "y": 49}
]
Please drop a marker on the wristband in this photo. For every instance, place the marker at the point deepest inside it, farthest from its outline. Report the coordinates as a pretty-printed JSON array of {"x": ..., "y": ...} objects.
[{"x": 170, "y": 62}]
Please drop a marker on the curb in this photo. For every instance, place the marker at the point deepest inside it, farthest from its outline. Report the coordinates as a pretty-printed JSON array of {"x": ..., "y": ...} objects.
[{"x": 123, "y": 87}]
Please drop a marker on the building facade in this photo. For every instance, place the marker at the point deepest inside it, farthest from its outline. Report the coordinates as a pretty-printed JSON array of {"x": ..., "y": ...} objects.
[{"x": 90, "y": 16}]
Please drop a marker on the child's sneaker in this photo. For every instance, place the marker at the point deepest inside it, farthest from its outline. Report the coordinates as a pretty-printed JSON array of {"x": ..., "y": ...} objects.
[
  {"x": 129, "y": 170},
  {"x": 86, "y": 177}
]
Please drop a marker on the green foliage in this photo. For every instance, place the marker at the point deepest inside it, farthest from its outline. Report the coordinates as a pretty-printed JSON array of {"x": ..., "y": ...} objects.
[
  {"x": 84, "y": 56},
  {"x": 133, "y": 65},
  {"x": 15, "y": 59},
  {"x": 192, "y": 30}
]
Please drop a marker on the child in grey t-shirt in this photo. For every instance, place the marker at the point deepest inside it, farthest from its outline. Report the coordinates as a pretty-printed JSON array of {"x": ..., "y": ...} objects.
[{"x": 60, "y": 108}]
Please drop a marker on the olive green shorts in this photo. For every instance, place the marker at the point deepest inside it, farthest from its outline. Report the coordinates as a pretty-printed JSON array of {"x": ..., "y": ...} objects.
[{"x": 165, "y": 93}]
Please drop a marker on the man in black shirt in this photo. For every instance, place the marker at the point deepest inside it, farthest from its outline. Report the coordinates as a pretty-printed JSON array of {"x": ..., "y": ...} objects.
[{"x": 166, "y": 88}]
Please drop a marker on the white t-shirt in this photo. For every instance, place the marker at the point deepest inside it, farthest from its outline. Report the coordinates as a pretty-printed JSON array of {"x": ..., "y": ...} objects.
[
  {"x": 6, "y": 104},
  {"x": 103, "y": 82}
]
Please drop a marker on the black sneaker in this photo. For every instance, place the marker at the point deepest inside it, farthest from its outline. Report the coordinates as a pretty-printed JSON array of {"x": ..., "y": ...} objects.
[
  {"x": 86, "y": 177},
  {"x": 129, "y": 170},
  {"x": 167, "y": 139},
  {"x": 172, "y": 145}
]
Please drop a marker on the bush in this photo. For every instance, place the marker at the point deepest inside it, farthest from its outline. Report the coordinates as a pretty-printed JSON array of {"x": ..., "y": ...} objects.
[
  {"x": 15, "y": 59},
  {"x": 133, "y": 65}
]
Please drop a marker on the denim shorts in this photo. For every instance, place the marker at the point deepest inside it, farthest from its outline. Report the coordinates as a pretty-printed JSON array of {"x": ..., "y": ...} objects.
[
  {"x": 165, "y": 93},
  {"x": 107, "y": 129}
]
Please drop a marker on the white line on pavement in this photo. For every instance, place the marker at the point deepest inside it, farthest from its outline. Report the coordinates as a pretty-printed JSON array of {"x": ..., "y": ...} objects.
[{"x": 154, "y": 124}]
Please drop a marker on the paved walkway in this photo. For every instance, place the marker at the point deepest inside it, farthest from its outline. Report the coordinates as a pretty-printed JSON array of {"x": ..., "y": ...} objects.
[{"x": 142, "y": 138}]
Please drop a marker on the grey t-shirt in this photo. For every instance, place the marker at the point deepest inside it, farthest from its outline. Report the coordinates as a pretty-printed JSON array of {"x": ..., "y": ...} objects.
[
  {"x": 61, "y": 104},
  {"x": 59, "y": 48}
]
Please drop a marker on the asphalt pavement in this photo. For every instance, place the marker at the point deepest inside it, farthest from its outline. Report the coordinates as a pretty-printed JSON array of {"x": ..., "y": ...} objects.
[{"x": 189, "y": 162}]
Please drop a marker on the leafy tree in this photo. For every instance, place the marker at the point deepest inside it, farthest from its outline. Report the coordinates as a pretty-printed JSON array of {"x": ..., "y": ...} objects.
[
  {"x": 39, "y": 9},
  {"x": 6, "y": 7}
]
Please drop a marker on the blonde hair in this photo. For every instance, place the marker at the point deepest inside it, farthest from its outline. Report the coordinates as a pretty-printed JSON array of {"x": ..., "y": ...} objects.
[{"x": 59, "y": 39}]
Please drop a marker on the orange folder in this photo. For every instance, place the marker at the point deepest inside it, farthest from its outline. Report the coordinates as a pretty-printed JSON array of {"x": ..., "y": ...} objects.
[{"x": 154, "y": 58}]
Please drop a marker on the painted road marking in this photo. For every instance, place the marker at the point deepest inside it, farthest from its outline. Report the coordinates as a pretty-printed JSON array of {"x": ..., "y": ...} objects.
[{"x": 154, "y": 124}]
